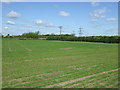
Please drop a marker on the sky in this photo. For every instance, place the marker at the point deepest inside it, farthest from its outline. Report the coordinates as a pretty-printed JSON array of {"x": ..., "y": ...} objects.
[{"x": 95, "y": 18}]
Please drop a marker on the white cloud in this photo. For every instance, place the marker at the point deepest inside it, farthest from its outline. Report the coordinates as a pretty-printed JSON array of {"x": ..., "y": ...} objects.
[
  {"x": 39, "y": 22},
  {"x": 94, "y": 4},
  {"x": 94, "y": 20},
  {"x": 50, "y": 25},
  {"x": 98, "y": 14},
  {"x": 63, "y": 13},
  {"x": 5, "y": 27},
  {"x": 111, "y": 19},
  {"x": 44, "y": 24},
  {"x": 11, "y": 22},
  {"x": 13, "y": 14}
]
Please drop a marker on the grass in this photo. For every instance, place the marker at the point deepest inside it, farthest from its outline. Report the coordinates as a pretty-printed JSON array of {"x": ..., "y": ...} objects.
[{"x": 41, "y": 63}]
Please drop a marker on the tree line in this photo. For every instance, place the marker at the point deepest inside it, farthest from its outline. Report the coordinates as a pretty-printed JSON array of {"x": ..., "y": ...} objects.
[{"x": 67, "y": 37}]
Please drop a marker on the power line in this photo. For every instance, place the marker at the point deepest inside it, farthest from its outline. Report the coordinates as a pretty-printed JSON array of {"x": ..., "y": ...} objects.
[
  {"x": 60, "y": 29},
  {"x": 80, "y": 32}
]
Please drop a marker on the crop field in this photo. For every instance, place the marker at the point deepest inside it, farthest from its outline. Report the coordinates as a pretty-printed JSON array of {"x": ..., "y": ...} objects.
[{"x": 59, "y": 64}]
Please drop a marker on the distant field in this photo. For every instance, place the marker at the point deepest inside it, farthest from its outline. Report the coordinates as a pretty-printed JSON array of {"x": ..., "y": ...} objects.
[{"x": 59, "y": 64}]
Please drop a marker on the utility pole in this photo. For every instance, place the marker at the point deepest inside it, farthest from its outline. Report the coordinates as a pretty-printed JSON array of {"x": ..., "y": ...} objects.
[
  {"x": 60, "y": 29},
  {"x": 80, "y": 32},
  {"x": 38, "y": 30}
]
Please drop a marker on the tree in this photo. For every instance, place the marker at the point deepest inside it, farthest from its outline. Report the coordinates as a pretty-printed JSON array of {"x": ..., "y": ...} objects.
[
  {"x": 38, "y": 32},
  {"x": 30, "y": 35}
]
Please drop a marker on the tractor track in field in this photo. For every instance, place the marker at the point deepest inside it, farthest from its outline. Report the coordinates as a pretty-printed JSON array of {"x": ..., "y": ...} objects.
[
  {"x": 76, "y": 84},
  {"x": 90, "y": 83},
  {"x": 78, "y": 79},
  {"x": 19, "y": 80},
  {"x": 40, "y": 75},
  {"x": 47, "y": 74},
  {"x": 100, "y": 82}
]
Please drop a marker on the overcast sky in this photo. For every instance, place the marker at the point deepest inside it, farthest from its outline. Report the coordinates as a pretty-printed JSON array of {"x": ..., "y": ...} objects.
[{"x": 96, "y": 18}]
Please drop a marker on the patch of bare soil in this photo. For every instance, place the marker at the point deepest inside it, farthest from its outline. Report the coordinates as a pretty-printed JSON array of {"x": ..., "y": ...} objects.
[
  {"x": 79, "y": 84},
  {"x": 73, "y": 85},
  {"x": 10, "y": 50},
  {"x": 103, "y": 83}
]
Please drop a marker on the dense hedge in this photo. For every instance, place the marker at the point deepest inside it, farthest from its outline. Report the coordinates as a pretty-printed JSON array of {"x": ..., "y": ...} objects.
[{"x": 104, "y": 39}]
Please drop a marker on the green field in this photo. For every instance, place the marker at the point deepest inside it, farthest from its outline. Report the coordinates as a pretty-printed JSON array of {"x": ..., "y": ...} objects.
[{"x": 59, "y": 64}]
